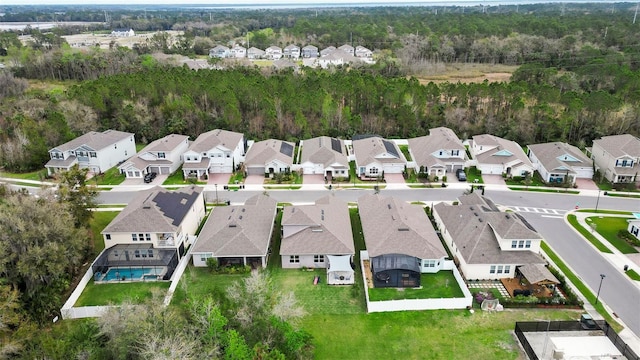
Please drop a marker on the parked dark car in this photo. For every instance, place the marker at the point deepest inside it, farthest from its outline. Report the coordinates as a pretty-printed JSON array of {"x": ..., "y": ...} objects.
[
  {"x": 149, "y": 177},
  {"x": 461, "y": 175}
]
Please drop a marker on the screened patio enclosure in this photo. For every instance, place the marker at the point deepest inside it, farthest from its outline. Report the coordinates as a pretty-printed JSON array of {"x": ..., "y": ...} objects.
[
  {"x": 395, "y": 270},
  {"x": 135, "y": 262}
]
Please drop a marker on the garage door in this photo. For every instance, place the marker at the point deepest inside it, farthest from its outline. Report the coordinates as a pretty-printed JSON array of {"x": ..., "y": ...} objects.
[
  {"x": 393, "y": 169},
  {"x": 220, "y": 169},
  {"x": 492, "y": 169},
  {"x": 255, "y": 171},
  {"x": 154, "y": 169},
  {"x": 164, "y": 170}
]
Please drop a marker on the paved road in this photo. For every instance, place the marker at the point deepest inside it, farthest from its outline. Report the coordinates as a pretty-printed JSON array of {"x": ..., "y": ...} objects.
[{"x": 617, "y": 291}]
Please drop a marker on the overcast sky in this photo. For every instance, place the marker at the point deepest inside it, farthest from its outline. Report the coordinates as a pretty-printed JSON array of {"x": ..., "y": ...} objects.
[{"x": 270, "y": 2}]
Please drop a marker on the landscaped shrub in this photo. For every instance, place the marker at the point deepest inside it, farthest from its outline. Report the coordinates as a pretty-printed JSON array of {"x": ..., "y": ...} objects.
[
  {"x": 521, "y": 300},
  {"x": 481, "y": 296},
  {"x": 630, "y": 239},
  {"x": 572, "y": 298}
]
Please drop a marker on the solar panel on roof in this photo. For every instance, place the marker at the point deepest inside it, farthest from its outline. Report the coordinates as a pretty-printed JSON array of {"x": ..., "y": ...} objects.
[
  {"x": 335, "y": 145},
  {"x": 286, "y": 149},
  {"x": 391, "y": 149}
]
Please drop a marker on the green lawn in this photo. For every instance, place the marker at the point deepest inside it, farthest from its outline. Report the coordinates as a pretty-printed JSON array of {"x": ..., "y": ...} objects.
[
  {"x": 177, "y": 179},
  {"x": 609, "y": 227},
  {"x": 582, "y": 288},
  {"x": 613, "y": 212},
  {"x": 107, "y": 294},
  {"x": 198, "y": 282},
  {"x": 293, "y": 178},
  {"x": 474, "y": 174},
  {"x": 559, "y": 191},
  {"x": 586, "y": 233},
  {"x": 536, "y": 180},
  {"x": 236, "y": 176},
  {"x": 633, "y": 275},
  {"x": 38, "y": 175},
  {"x": 623, "y": 195},
  {"x": 405, "y": 151},
  {"x": 439, "y": 285},
  {"x": 109, "y": 177},
  {"x": 99, "y": 221}
]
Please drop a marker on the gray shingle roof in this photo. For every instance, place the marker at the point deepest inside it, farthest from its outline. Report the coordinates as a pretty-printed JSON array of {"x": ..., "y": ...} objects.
[
  {"x": 95, "y": 140},
  {"x": 620, "y": 145},
  {"x": 214, "y": 138},
  {"x": 265, "y": 151},
  {"x": 391, "y": 226},
  {"x": 155, "y": 210},
  {"x": 538, "y": 273},
  {"x": 370, "y": 149},
  {"x": 548, "y": 154},
  {"x": 167, "y": 143},
  {"x": 494, "y": 151},
  {"x": 440, "y": 138},
  {"x": 243, "y": 230},
  {"x": 324, "y": 150},
  {"x": 324, "y": 228},
  {"x": 473, "y": 227}
]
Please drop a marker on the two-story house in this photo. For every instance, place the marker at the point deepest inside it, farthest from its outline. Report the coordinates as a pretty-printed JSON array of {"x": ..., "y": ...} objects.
[
  {"x": 273, "y": 52},
  {"x": 269, "y": 157},
  {"x": 292, "y": 52},
  {"x": 238, "y": 51},
  {"x": 348, "y": 49},
  {"x": 319, "y": 236},
  {"x": 98, "y": 151},
  {"x": 400, "y": 241},
  {"x": 237, "y": 234},
  {"x": 438, "y": 153},
  {"x": 310, "y": 51},
  {"x": 254, "y": 53},
  {"x": 151, "y": 234},
  {"x": 162, "y": 156},
  {"x": 220, "y": 52},
  {"x": 213, "y": 152},
  {"x": 326, "y": 156},
  {"x": 376, "y": 156},
  {"x": 558, "y": 162},
  {"x": 488, "y": 243},
  {"x": 617, "y": 157},
  {"x": 495, "y": 155},
  {"x": 328, "y": 50},
  {"x": 363, "y": 52}
]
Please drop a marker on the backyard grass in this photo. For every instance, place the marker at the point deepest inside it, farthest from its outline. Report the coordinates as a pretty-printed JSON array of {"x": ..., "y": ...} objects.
[
  {"x": 633, "y": 274},
  {"x": 109, "y": 177},
  {"x": 99, "y": 221},
  {"x": 587, "y": 234},
  {"x": 560, "y": 191},
  {"x": 108, "y": 294},
  {"x": 405, "y": 151},
  {"x": 580, "y": 286},
  {"x": 438, "y": 334},
  {"x": 199, "y": 282},
  {"x": 609, "y": 227},
  {"x": 474, "y": 175},
  {"x": 433, "y": 286},
  {"x": 38, "y": 175}
]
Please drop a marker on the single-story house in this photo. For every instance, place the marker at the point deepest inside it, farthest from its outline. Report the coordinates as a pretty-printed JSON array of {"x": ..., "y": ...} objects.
[
  {"x": 337, "y": 57},
  {"x": 400, "y": 241},
  {"x": 438, "y": 153},
  {"x": 495, "y": 155},
  {"x": 123, "y": 32},
  {"x": 153, "y": 230},
  {"x": 324, "y": 155},
  {"x": 214, "y": 152},
  {"x": 376, "y": 156},
  {"x": 319, "y": 236},
  {"x": 162, "y": 156},
  {"x": 237, "y": 234},
  {"x": 556, "y": 161},
  {"x": 485, "y": 242},
  {"x": 634, "y": 225},
  {"x": 617, "y": 157},
  {"x": 269, "y": 157},
  {"x": 97, "y": 151}
]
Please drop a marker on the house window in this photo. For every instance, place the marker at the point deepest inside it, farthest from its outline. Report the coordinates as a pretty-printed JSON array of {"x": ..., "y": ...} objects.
[
  {"x": 500, "y": 267},
  {"x": 107, "y": 236},
  {"x": 507, "y": 269},
  {"x": 440, "y": 153},
  {"x": 429, "y": 263},
  {"x": 134, "y": 237},
  {"x": 318, "y": 258},
  {"x": 228, "y": 155},
  {"x": 520, "y": 244},
  {"x": 294, "y": 259},
  {"x": 161, "y": 155},
  {"x": 374, "y": 170},
  {"x": 147, "y": 237},
  {"x": 455, "y": 152},
  {"x": 140, "y": 237},
  {"x": 492, "y": 269},
  {"x": 527, "y": 244},
  {"x": 514, "y": 244},
  {"x": 150, "y": 253},
  {"x": 93, "y": 154},
  {"x": 136, "y": 253}
]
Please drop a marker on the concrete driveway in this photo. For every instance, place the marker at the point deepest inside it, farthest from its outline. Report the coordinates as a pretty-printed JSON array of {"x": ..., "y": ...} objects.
[
  {"x": 140, "y": 181},
  {"x": 313, "y": 179},
  {"x": 220, "y": 179},
  {"x": 394, "y": 178},
  {"x": 493, "y": 179},
  {"x": 254, "y": 180},
  {"x": 586, "y": 184}
]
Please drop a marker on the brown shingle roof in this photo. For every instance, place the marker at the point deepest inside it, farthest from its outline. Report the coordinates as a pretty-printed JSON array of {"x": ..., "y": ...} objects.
[
  {"x": 214, "y": 138},
  {"x": 265, "y": 151},
  {"x": 324, "y": 150},
  {"x": 549, "y": 153},
  {"x": 371, "y": 149},
  {"x": 440, "y": 138},
  {"x": 495, "y": 151},
  {"x": 620, "y": 145}
]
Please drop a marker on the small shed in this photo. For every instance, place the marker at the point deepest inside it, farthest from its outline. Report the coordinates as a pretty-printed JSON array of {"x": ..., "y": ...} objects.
[
  {"x": 538, "y": 274},
  {"x": 339, "y": 270},
  {"x": 395, "y": 270}
]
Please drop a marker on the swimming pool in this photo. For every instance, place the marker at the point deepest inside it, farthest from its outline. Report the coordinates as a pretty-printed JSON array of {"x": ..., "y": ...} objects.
[{"x": 117, "y": 273}]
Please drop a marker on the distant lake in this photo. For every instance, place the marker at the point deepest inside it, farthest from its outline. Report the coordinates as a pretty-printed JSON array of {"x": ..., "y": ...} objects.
[{"x": 41, "y": 25}]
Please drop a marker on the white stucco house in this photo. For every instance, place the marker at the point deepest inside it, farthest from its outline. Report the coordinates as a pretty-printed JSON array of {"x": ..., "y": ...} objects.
[
  {"x": 97, "y": 151},
  {"x": 438, "y": 153},
  {"x": 363, "y": 52},
  {"x": 273, "y": 52},
  {"x": 324, "y": 155},
  {"x": 348, "y": 49},
  {"x": 617, "y": 157},
  {"x": 238, "y": 51},
  {"x": 269, "y": 156},
  {"x": 253, "y": 53},
  {"x": 162, "y": 156},
  {"x": 319, "y": 236},
  {"x": 634, "y": 225},
  {"x": 123, "y": 32},
  {"x": 496, "y": 156},
  {"x": 220, "y": 52},
  {"x": 558, "y": 160},
  {"x": 238, "y": 234},
  {"x": 376, "y": 156},
  {"x": 291, "y": 51},
  {"x": 488, "y": 243},
  {"x": 213, "y": 152}
]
